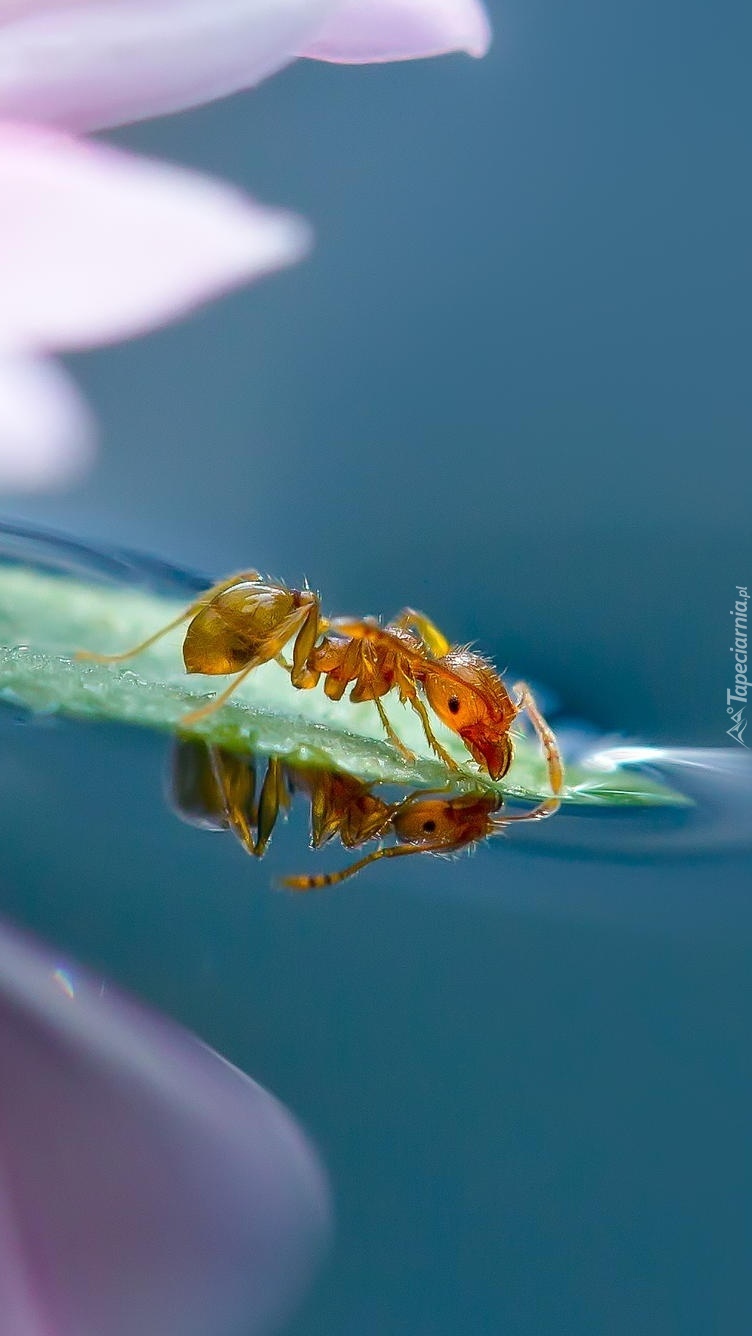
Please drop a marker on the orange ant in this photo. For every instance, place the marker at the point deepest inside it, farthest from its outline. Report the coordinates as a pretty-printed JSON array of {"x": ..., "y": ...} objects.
[
  {"x": 246, "y": 621},
  {"x": 421, "y": 824},
  {"x": 462, "y": 688},
  {"x": 235, "y": 627},
  {"x": 216, "y": 789},
  {"x": 431, "y": 824}
]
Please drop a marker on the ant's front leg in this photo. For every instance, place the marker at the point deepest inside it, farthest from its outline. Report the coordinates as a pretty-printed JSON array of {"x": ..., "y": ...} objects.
[
  {"x": 314, "y": 624},
  {"x": 526, "y": 702},
  {"x": 409, "y": 692}
]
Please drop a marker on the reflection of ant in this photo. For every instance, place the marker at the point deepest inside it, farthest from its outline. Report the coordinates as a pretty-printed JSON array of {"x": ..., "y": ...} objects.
[
  {"x": 246, "y": 621},
  {"x": 216, "y": 789}
]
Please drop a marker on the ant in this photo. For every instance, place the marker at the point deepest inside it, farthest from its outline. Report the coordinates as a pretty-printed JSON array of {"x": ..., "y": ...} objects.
[
  {"x": 235, "y": 627},
  {"x": 462, "y": 688},
  {"x": 431, "y": 824},
  {"x": 216, "y": 789},
  {"x": 246, "y": 621}
]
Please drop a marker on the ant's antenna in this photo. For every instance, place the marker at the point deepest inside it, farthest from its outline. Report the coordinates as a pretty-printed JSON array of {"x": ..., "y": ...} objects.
[{"x": 315, "y": 882}]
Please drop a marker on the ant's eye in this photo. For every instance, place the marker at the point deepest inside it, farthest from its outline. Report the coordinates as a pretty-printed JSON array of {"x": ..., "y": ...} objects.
[
  {"x": 453, "y": 704},
  {"x": 429, "y": 827}
]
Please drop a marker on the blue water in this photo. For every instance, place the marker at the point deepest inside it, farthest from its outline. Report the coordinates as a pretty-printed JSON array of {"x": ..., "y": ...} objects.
[{"x": 510, "y": 387}]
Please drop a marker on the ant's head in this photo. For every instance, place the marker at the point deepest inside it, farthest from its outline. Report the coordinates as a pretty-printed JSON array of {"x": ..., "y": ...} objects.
[
  {"x": 469, "y": 697},
  {"x": 445, "y": 824}
]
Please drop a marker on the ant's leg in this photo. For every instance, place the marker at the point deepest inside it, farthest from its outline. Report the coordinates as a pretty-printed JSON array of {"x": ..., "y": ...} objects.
[
  {"x": 369, "y": 686},
  {"x": 526, "y": 701},
  {"x": 409, "y": 692},
  {"x": 335, "y": 687},
  {"x": 191, "y": 611},
  {"x": 350, "y": 667},
  {"x": 301, "y": 675},
  {"x": 237, "y": 787},
  {"x": 434, "y": 640},
  {"x": 545, "y": 808},
  {"x": 195, "y": 715},
  {"x": 392, "y": 736},
  {"x": 433, "y": 742},
  {"x": 273, "y": 796},
  {"x": 333, "y": 878}
]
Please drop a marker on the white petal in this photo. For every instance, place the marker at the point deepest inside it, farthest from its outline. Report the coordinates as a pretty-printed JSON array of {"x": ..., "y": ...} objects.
[
  {"x": 97, "y": 245},
  {"x": 46, "y": 431},
  {"x": 86, "y": 64},
  {"x": 147, "y": 1188},
  {"x": 368, "y": 30}
]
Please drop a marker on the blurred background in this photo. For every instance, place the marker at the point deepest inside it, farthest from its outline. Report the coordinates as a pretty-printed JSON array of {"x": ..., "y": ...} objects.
[{"x": 510, "y": 386}]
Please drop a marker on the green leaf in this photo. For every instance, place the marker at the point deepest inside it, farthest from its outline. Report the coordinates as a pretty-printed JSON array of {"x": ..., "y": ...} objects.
[{"x": 45, "y": 618}]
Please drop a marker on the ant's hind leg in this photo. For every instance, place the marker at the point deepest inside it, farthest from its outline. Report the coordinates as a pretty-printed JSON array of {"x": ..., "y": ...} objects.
[
  {"x": 191, "y": 611},
  {"x": 527, "y": 702},
  {"x": 91, "y": 657},
  {"x": 195, "y": 715}
]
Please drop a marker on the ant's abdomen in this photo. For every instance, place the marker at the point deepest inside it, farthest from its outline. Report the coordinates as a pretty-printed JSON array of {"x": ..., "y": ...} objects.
[
  {"x": 235, "y": 628},
  {"x": 210, "y": 647}
]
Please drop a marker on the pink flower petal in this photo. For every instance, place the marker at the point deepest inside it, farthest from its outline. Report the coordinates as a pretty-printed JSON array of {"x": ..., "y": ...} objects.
[
  {"x": 368, "y": 30},
  {"x": 86, "y": 64},
  {"x": 46, "y": 431},
  {"x": 96, "y": 245},
  {"x": 146, "y": 1186}
]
